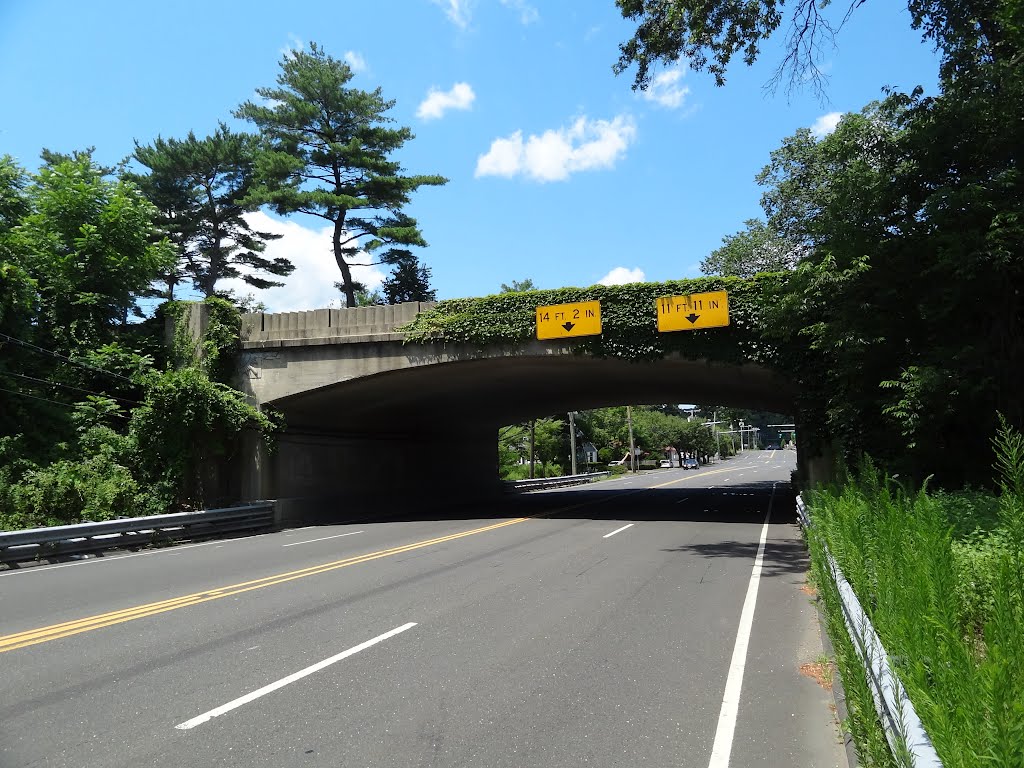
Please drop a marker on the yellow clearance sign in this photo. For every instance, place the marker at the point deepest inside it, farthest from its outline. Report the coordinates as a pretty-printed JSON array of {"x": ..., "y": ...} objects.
[
  {"x": 563, "y": 321},
  {"x": 688, "y": 313}
]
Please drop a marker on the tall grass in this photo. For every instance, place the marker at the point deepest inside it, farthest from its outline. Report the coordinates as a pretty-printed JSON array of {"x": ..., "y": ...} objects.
[{"x": 942, "y": 578}]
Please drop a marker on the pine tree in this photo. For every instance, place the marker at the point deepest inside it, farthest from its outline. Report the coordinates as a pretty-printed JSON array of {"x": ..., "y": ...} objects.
[
  {"x": 410, "y": 281},
  {"x": 329, "y": 148},
  {"x": 199, "y": 186}
]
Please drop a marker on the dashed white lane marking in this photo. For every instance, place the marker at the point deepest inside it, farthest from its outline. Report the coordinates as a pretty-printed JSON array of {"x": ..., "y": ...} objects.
[
  {"x": 322, "y": 538},
  {"x": 225, "y": 708},
  {"x": 618, "y": 530},
  {"x": 731, "y": 699}
]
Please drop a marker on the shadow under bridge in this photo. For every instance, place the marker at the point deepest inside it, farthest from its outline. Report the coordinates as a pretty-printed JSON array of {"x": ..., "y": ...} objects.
[{"x": 414, "y": 428}]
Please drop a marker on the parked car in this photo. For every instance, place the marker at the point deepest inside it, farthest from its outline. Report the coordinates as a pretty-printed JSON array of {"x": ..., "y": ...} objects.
[
  {"x": 665, "y": 464},
  {"x": 691, "y": 464}
]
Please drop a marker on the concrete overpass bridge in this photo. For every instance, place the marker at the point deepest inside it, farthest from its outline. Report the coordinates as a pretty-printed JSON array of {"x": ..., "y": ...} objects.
[{"x": 371, "y": 418}]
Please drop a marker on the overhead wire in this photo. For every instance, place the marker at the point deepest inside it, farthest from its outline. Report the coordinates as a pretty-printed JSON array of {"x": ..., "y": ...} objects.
[
  {"x": 40, "y": 350},
  {"x": 69, "y": 386},
  {"x": 36, "y": 397}
]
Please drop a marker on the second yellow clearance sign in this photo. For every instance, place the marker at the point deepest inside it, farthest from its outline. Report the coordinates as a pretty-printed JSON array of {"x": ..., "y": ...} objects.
[
  {"x": 564, "y": 321},
  {"x": 690, "y": 313}
]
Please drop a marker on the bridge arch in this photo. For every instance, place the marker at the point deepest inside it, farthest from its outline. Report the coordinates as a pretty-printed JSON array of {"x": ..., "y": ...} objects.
[{"x": 371, "y": 415}]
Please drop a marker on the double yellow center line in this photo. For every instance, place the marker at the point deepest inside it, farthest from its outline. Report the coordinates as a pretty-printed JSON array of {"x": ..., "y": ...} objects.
[{"x": 68, "y": 628}]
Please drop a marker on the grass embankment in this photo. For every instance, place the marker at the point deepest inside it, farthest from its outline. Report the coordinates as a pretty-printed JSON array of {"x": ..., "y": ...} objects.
[{"x": 942, "y": 577}]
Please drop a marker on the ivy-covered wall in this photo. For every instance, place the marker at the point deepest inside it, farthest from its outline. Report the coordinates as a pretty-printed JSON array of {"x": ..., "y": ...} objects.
[{"x": 628, "y": 318}]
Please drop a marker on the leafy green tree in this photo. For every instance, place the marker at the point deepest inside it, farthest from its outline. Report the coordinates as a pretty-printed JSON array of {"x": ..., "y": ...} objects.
[
  {"x": 551, "y": 440},
  {"x": 88, "y": 242},
  {"x": 519, "y": 286},
  {"x": 755, "y": 249},
  {"x": 199, "y": 186},
  {"x": 17, "y": 289},
  {"x": 409, "y": 280},
  {"x": 329, "y": 149},
  {"x": 907, "y": 215}
]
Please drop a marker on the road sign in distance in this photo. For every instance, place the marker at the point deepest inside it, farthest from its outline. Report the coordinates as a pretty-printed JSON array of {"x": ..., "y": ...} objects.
[
  {"x": 688, "y": 313},
  {"x": 564, "y": 321}
]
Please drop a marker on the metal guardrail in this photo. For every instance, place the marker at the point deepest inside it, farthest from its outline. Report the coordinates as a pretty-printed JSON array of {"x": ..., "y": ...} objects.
[
  {"x": 552, "y": 482},
  {"x": 133, "y": 531},
  {"x": 903, "y": 728}
]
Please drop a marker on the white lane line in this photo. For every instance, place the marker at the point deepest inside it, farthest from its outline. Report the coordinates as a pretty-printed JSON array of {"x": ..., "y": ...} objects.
[
  {"x": 731, "y": 699},
  {"x": 323, "y": 538},
  {"x": 617, "y": 530},
  {"x": 224, "y": 708}
]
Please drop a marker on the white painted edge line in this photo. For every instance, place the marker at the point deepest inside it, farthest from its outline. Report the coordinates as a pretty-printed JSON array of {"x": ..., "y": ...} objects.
[
  {"x": 225, "y": 708},
  {"x": 734, "y": 683},
  {"x": 322, "y": 538},
  {"x": 618, "y": 530}
]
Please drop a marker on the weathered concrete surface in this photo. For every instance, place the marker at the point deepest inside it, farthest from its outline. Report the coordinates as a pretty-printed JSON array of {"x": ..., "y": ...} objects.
[
  {"x": 262, "y": 329},
  {"x": 374, "y": 385}
]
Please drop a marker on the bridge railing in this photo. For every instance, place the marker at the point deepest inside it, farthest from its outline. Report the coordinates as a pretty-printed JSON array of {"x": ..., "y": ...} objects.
[
  {"x": 329, "y": 323},
  {"x": 903, "y": 728},
  {"x": 31, "y": 543}
]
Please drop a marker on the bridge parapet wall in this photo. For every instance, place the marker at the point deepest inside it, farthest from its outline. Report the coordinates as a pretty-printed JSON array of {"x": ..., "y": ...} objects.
[{"x": 264, "y": 329}]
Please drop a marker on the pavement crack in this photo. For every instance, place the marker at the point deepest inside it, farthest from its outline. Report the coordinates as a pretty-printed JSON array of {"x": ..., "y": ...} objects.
[
  {"x": 704, "y": 575},
  {"x": 592, "y": 565}
]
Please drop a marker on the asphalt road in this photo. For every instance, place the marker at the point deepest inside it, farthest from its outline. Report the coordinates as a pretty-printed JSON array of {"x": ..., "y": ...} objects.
[{"x": 626, "y": 623}]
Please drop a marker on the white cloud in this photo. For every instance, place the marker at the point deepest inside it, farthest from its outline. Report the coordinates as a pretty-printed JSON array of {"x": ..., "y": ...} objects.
[
  {"x": 355, "y": 61},
  {"x": 621, "y": 276},
  {"x": 295, "y": 45},
  {"x": 665, "y": 89},
  {"x": 527, "y": 13},
  {"x": 825, "y": 124},
  {"x": 438, "y": 102},
  {"x": 584, "y": 146},
  {"x": 457, "y": 11},
  {"x": 311, "y": 285}
]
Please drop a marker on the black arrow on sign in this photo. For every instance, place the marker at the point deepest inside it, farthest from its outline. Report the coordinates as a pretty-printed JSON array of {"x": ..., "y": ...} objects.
[
  {"x": 692, "y": 317},
  {"x": 568, "y": 326}
]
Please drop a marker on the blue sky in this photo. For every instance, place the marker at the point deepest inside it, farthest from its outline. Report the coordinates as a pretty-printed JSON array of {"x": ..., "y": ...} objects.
[{"x": 558, "y": 171}]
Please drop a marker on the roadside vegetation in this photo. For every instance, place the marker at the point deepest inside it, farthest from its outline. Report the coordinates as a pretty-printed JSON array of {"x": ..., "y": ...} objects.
[
  {"x": 941, "y": 575},
  {"x": 603, "y": 434},
  {"x": 99, "y": 417}
]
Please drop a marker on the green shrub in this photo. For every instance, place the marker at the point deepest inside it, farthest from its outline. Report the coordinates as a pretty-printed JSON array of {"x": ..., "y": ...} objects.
[
  {"x": 66, "y": 492},
  {"x": 942, "y": 578},
  {"x": 186, "y": 423}
]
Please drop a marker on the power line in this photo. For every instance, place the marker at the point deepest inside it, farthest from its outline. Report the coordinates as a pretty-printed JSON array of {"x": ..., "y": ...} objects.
[
  {"x": 40, "y": 350},
  {"x": 36, "y": 397},
  {"x": 69, "y": 386}
]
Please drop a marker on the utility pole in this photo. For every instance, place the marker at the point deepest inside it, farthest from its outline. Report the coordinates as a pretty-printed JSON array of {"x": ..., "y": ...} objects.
[
  {"x": 718, "y": 448},
  {"x": 632, "y": 448},
  {"x": 533, "y": 424},
  {"x": 572, "y": 438}
]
